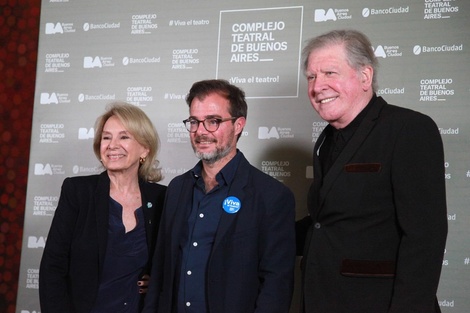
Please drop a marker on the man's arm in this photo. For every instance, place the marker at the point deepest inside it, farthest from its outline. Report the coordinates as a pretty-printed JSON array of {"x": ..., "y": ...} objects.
[
  {"x": 419, "y": 195},
  {"x": 277, "y": 257}
]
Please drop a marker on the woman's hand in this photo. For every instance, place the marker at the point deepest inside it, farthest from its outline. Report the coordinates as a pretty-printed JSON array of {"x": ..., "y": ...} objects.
[{"x": 143, "y": 283}]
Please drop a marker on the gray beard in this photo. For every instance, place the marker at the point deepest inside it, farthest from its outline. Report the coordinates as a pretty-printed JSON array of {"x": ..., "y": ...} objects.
[{"x": 212, "y": 157}]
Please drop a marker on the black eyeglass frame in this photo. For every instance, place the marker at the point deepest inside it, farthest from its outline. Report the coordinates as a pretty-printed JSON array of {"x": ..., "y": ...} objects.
[{"x": 217, "y": 120}]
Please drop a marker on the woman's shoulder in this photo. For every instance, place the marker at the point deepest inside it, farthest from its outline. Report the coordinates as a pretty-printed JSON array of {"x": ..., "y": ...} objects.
[
  {"x": 154, "y": 187},
  {"x": 80, "y": 182},
  {"x": 83, "y": 179}
]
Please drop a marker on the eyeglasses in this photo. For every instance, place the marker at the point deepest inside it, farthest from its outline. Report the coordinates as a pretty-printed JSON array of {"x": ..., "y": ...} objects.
[{"x": 211, "y": 124}]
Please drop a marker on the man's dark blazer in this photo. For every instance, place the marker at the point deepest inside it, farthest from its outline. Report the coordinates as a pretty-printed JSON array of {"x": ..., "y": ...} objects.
[
  {"x": 76, "y": 244},
  {"x": 378, "y": 218},
  {"x": 252, "y": 260}
]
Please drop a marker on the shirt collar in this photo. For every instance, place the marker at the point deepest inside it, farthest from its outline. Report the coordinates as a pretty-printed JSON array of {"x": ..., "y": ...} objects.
[
  {"x": 349, "y": 130},
  {"x": 226, "y": 174}
]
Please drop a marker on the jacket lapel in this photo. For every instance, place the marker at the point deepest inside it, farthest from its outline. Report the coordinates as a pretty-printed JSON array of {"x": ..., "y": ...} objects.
[
  {"x": 313, "y": 200},
  {"x": 146, "y": 207},
  {"x": 350, "y": 149},
  {"x": 102, "y": 213},
  {"x": 174, "y": 226},
  {"x": 180, "y": 214},
  {"x": 237, "y": 189}
]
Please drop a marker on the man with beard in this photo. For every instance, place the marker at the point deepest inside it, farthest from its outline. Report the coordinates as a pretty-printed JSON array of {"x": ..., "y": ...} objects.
[{"x": 227, "y": 238}]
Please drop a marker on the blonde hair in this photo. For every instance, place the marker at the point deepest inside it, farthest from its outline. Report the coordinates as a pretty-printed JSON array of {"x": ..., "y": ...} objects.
[{"x": 139, "y": 125}]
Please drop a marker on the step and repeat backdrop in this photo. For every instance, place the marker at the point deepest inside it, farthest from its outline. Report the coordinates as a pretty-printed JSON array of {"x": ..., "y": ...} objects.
[{"x": 150, "y": 52}]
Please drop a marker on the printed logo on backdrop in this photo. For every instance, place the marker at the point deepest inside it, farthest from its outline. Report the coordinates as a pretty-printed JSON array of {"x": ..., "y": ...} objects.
[
  {"x": 59, "y": 28},
  {"x": 85, "y": 133},
  {"x": 177, "y": 133},
  {"x": 143, "y": 24},
  {"x": 82, "y": 97},
  {"x": 447, "y": 166},
  {"x": 385, "y": 51},
  {"x": 139, "y": 95},
  {"x": 450, "y": 218},
  {"x": 166, "y": 171},
  {"x": 366, "y": 12},
  {"x": 51, "y": 133},
  {"x": 36, "y": 242},
  {"x": 184, "y": 59},
  {"x": 445, "y": 262},
  {"x": 449, "y": 303},
  {"x": 101, "y": 26},
  {"x": 275, "y": 132},
  {"x": 41, "y": 169},
  {"x": 277, "y": 169},
  {"x": 56, "y": 62},
  {"x": 54, "y": 98},
  {"x": 391, "y": 91},
  {"x": 97, "y": 62},
  {"x": 322, "y": 15},
  {"x": 317, "y": 128},
  {"x": 174, "y": 96},
  {"x": 436, "y": 89},
  {"x": 126, "y": 61},
  {"x": 32, "y": 278},
  {"x": 419, "y": 49},
  {"x": 259, "y": 50},
  {"x": 29, "y": 311},
  {"x": 451, "y": 131},
  {"x": 44, "y": 205},
  {"x": 86, "y": 170},
  {"x": 190, "y": 22},
  {"x": 439, "y": 9}
]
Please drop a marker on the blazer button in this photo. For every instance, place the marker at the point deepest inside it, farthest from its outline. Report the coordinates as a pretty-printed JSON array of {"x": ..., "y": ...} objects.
[{"x": 317, "y": 225}]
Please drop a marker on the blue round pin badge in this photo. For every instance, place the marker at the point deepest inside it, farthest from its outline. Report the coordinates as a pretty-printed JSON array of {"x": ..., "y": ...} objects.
[{"x": 231, "y": 204}]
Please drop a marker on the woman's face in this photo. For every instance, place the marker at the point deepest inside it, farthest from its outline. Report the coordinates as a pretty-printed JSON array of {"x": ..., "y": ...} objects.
[{"x": 119, "y": 151}]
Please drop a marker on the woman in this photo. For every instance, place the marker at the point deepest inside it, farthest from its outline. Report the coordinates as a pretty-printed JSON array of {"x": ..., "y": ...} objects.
[{"x": 99, "y": 248}]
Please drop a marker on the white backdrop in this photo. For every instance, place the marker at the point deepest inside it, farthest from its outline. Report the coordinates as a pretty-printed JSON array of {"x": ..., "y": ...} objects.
[{"x": 150, "y": 52}]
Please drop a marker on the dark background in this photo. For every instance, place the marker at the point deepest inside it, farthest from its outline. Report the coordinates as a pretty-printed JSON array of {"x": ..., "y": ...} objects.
[{"x": 19, "y": 31}]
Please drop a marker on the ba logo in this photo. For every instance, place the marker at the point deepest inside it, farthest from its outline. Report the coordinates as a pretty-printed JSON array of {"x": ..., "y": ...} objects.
[
  {"x": 380, "y": 52},
  {"x": 323, "y": 16},
  {"x": 84, "y": 133},
  {"x": 47, "y": 98},
  {"x": 26, "y": 311},
  {"x": 52, "y": 29},
  {"x": 266, "y": 133},
  {"x": 90, "y": 62},
  {"x": 36, "y": 242},
  {"x": 41, "y": 169}
]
